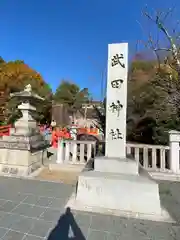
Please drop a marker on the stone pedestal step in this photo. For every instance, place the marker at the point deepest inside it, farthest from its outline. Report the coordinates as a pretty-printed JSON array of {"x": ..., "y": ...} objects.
[
  {"x": 116, "y": 165},
  {"x": 123, "y": 192}
]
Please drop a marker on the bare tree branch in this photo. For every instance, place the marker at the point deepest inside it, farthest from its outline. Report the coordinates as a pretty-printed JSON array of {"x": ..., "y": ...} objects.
[
  {"x": 166, "y": 15},
  {"x": 162, "y": 49},
  {"x": 159, "y": 21}
]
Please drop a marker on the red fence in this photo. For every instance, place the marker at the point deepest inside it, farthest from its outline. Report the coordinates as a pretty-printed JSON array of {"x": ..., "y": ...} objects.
[{"x": 5, "y": 130}]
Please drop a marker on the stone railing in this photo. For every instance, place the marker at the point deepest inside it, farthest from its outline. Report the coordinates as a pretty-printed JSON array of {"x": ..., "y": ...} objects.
[
  {"x": 151, "y": 157},
  {"x": 75, "y": 152},
  {"x": 163, "y": 160}
]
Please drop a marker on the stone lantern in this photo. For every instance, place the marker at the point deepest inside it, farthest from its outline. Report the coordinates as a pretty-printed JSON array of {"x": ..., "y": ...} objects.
[{"x": 23, "y": 151}]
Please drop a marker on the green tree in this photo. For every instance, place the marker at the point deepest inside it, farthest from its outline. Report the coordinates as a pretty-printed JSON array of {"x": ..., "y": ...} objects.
[
  {"x": 71, "y": 96},
  {"x": 151, "y": 110},
  {"x": 154, "y": 103},
  {"x": 1, "y": 60}
]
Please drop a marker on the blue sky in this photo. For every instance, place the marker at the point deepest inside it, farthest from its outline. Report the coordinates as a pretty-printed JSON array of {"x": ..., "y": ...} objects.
[{"x": 67, "y": 39}]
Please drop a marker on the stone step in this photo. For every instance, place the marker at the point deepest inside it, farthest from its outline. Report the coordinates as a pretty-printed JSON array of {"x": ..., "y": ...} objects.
[{"x": 116, "y": 165}]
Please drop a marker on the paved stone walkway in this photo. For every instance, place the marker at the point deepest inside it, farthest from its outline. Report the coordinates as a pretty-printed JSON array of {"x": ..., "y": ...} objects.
[{"x": 32, "y": 210}]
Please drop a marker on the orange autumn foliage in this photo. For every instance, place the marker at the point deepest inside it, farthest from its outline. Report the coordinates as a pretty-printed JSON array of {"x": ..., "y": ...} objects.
[{"x": 15, "y": 75}]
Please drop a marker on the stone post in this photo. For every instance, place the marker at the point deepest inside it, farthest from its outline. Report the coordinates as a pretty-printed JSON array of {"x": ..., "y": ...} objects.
[
  {"x": 60, "y": 151},
  {"x": 73, "y": 145},
  {"x": 174, "y": 139},
  {"x": 116, "y": 100}
]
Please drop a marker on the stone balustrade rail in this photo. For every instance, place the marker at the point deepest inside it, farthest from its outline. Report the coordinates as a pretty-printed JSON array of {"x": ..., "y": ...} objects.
[{"x": 154, "y": 158}]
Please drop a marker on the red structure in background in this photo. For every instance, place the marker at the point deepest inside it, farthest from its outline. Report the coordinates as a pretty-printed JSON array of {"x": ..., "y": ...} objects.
[
  {"x": 65, "y": 134},
  {"x": 5, "y": 130},
  {"x": 92, "y": 131},
  {"x": 57, "y": 133}
]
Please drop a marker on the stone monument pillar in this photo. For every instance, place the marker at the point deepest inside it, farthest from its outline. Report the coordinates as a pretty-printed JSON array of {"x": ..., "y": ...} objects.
[
  {"x": 116, "y": 100},
  {"x": 118, "y": 184},
  {"x": 116, "y": 104},
  {"x": 23, "y": 151}
]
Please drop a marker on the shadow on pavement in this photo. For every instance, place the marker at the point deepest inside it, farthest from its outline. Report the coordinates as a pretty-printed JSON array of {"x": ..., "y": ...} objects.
[
  {"x": 170, "y": 198},
  {"x": 62, "y": 229}
]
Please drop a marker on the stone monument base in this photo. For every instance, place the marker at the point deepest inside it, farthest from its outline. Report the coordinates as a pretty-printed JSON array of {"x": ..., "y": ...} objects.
[
  {"x": 135, "y": 193},
  {"x": 20, "y": 162},
  {"x": 122, "y": 192},
  {"x": 21, "y": 155}
]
